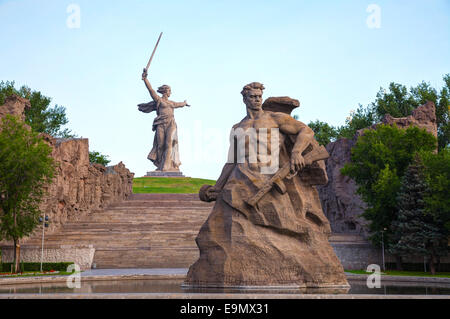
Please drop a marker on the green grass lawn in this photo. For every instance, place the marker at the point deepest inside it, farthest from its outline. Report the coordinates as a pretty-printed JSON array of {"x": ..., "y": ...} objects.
[
  {"x": 179, "y": 185},
  {"x": 403, "y": 273}
]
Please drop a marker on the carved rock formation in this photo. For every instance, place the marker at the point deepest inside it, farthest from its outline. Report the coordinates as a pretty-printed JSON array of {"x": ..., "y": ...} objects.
[
  {"x": 15, "y": 105},
  {"x": 340, "y": 203},
  {"x": 423, "y": 117},
  {"x": 79, "y": 187}
]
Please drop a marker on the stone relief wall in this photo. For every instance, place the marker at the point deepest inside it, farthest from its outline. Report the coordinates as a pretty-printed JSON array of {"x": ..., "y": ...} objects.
[
  {"x": 15, "y": 105},
  {"x": 79, "y": 187},
  {"x": 340, "y": 203}
]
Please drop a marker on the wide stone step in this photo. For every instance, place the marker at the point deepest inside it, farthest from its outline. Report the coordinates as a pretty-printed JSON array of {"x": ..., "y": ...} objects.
[
  {"x": 145, "y": 231},
  {"x": 160, "y": 196},
  {"x": 126, "y": 228},
  {"x": 142, "y": 258},
  {"x": 120, "y": 236},
  {"x": 347, "y": 238},
  {"x": 143, "y": 216},
  {"x": 160, "y": 205}
]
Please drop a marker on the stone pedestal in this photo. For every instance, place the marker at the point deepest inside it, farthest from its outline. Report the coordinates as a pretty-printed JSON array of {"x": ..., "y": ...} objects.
[{"x": 164, "y": 174}]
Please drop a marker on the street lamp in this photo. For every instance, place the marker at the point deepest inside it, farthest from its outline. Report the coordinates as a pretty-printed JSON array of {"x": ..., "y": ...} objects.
[
  {"x": 44, "y": 224},
  {"x": 382, "y": 248},
  {"x": 424, "y": 260}
]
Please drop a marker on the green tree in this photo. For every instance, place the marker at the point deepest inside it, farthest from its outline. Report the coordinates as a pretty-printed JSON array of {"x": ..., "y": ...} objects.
[
  {"x": 26, "y": 167},
  {"x": 40, "y": 116},
  {"x": 362, "y": 118},
  {"x": 443, "y": 114},
  {"x": 399, "y": 102},
  {"x": 378, "y": 162},
  {"x": 437, "y": 174},
  {"x": 96, "y": 157},
  {"x": 416, "y": 233},
  {"x": 323, "y": 132}
]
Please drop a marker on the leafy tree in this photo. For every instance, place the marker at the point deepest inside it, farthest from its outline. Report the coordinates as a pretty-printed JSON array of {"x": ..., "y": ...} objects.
[
  {"x": 399, "y": 102},
  {"x": 443, "y": 114},
  {"x": 378, "y": 162},
  {"x": 40, "y": 116},
  {"x": 26, "y": 167},
  {"x": 362, "y": 118},
  {"x": 323, "y": 132},
  {"x": 415, "y": 232},
  {"x": 437, "y": 174},
  {"x": 96, "y": 157}
]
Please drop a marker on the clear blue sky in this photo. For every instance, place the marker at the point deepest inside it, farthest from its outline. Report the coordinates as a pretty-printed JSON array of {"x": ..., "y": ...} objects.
[{"x": 320, "y": 52}]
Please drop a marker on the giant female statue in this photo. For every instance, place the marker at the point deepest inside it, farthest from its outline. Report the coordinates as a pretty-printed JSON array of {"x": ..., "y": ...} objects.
[{"x": 164, "y": 153}]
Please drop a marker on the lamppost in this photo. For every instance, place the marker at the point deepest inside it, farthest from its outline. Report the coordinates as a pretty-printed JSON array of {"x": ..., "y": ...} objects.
[
  {"x": 382, "y": 248},
  {"x": 44, "y": 224},
  {"x": 424, "y": 260}
]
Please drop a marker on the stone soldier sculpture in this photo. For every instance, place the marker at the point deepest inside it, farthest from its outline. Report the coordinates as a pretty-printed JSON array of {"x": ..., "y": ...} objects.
[
  {"x": 164, "y": 153},
  {"x": 268, "y": 228}
]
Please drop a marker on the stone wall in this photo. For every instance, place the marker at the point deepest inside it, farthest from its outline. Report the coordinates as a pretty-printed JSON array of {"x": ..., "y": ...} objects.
[
  {"x": 340, "y": 203},
  {"x": 79, "y": 187},
  {"x": 83, "y": 256},
  {"x": 357, "y": 256},
  {"x": 15, "y": 105}
]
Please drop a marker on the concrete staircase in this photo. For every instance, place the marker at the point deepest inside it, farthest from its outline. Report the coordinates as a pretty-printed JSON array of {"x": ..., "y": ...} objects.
[
  {"x": 159, "y": 230},
  {"x": 146, "y": 231}
]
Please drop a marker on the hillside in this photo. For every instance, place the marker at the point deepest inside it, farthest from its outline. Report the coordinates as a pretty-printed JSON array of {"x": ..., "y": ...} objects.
[{"x": 179, "y": 185}]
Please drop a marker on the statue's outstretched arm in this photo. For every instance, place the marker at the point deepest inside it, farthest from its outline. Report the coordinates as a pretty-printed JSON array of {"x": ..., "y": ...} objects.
[
  {"x": 180, "y": 104},
  {"x": 209, "y": 193},
  {"x": 153, "y": 93}
]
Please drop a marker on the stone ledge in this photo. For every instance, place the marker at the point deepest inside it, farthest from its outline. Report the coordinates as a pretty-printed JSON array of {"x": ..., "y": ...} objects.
[
  {"x": 163, "y": 276},
  {"x": 415, "y": 279},
  {"x": 33, "y": 246},
  {"x": 213, "y": 296},
  {"x": 164, "y": 174},
  {"x": 57, "y": 279},
  {"x": 83, "y": 256}
]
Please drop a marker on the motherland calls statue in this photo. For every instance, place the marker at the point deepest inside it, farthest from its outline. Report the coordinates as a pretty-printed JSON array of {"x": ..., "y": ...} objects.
[
  {"x": 267, "y": 227},
  {"x": 164, "y": 153}
]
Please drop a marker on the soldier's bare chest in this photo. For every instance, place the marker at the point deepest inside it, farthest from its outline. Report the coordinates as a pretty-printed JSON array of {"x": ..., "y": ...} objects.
[{"x": 263, "y": 122}]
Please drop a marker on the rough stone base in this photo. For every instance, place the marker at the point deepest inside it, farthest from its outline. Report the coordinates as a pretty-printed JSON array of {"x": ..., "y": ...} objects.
[
  {"x": 83, "y": 256},
  {"x": 164, "y": 174},
  {"x": 236, "y": 254}
]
